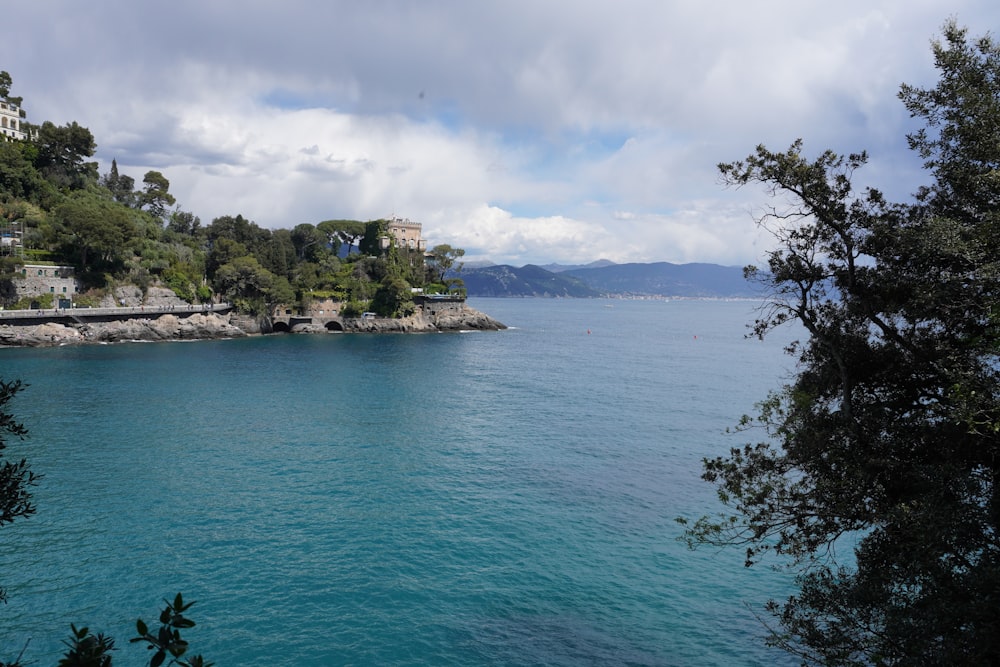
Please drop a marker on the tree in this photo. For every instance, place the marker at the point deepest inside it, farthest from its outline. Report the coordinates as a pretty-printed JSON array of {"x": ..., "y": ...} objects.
[
  {"x": 122, "y": 188},
  {"x": 16, "y": 477},
  {"x": 310, "y": 243},
  {"x": 9, "y": 269},
  {"x": 888, "y": 438},
  {"x": 251, "y": 287},
  {"x": 97, "y": 227},
  {"x": 371, "y": 242},
  {"x": 5, "y": 83},
  {"x": 61, "y": 155},
  {"x": 184, "y": 223},
  {"x": 393, "y": 298},
  {"x": 443, "y": 258},
  {"x": 18, "y": 177},
  {"x": 156, "y": 196},
  {"x": 347, "y": 231}
]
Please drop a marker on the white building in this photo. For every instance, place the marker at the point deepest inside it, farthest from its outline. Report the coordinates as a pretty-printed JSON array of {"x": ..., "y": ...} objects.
[{"x": 11, "y": 121}]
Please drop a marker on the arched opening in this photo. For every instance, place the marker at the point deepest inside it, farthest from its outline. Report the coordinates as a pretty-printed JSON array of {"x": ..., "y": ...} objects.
[
  {"x": 280, "y": 327},
  {"x": 334, "y": 325}
]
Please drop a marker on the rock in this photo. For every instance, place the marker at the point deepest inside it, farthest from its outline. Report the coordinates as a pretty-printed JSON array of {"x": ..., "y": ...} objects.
[
  {"x": 131, "y": 295},
  {"x": 200, "y": 325},
  {"x": 40, "y": 335},
  {"x": 196, "y": 326},
  {"x": 463, "y": 318},
  {"x": 466, "y": 319},
  {"x": 165, "y": 327}
]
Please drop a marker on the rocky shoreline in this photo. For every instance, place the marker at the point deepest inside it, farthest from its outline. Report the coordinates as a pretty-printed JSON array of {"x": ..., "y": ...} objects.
[{"x": 211, "y": 326}]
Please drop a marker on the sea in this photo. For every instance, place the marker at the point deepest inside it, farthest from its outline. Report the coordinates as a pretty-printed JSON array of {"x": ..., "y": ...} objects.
[{"x": 478, "y": 498}]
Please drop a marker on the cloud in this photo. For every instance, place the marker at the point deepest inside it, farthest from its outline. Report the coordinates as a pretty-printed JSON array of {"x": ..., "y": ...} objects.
[{"x": 521, "y": 131}]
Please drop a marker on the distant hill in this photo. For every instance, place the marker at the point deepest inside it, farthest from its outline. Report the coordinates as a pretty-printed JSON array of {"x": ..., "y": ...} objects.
[
  {"x": 559, "y": 268},
  {"x": 656, "y": 279},
  {"x": 666, "y": 279},
  {"x": 529, "y": 280}
]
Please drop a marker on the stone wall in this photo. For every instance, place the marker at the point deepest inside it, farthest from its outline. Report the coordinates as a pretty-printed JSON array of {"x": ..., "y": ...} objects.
[{"x": 39, "y": 279}]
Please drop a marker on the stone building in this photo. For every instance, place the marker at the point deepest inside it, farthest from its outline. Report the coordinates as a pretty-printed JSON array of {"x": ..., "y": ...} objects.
[
  {"x": 407, "y": 234},
  {"x": 39, "y": 279}
]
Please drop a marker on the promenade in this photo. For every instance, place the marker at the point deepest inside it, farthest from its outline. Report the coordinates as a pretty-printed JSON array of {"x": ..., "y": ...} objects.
[{"x": 83, "y": 314}]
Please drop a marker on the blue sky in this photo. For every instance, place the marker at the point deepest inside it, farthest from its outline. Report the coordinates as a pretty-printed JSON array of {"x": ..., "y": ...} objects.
[{"x": 524, "y": 131}]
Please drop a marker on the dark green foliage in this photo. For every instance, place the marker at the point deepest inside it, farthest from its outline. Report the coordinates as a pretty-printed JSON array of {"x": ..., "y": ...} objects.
[
  {"x": 155, "y": 196},
  {"x": 310, "y": 243},
  {"x": 889, "y": 436},
  {"x": 18, "y": 177},
  {"x": 167, "y": 641},
  {"x": 393, "y": 298},
  {"x": 87, "y": 649},
  {"x": 444, "y": 258},
  {"x": 62, "y": 152},
  {"x": 97, "y": 228},
  {"x": 184, "y": 223},
  {"x": 371, "y": 241},
  {"x": 168, "y": 646},
  {"x": 342, "y": 231},
  {"x": 121, "y": 187},
  {"x": 16, "y": 477}
]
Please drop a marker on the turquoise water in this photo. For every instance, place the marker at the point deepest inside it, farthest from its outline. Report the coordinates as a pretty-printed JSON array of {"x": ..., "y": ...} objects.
[{"x": 488, "y": 498}]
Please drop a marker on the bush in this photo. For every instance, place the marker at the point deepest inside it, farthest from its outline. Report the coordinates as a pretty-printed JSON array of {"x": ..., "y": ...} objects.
[{"x": 354, "y": 308}]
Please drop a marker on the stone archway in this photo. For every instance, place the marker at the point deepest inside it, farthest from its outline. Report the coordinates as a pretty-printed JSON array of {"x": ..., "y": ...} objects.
[
  {"x": 334, "y": 325},
  {"x": 280, "y": 327}
]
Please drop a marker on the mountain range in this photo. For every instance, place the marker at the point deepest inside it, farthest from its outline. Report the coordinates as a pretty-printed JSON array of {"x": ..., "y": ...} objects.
[{"x": 604, "y": 278}]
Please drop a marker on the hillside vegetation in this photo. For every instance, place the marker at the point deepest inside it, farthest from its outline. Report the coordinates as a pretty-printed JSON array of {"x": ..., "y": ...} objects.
[{"x": 56, "y": 207}]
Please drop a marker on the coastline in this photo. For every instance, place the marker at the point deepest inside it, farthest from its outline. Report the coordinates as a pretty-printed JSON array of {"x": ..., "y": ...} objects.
[{"x": 194, "y": 324}]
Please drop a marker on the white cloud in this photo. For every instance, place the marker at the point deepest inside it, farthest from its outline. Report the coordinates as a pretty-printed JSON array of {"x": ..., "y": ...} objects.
[{"x": 522, "y": 131}]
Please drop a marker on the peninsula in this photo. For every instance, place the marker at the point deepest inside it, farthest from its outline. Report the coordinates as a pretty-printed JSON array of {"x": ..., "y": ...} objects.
[
  {"x": 90, "y": 257},
  {"x": 162, "y": 316}
]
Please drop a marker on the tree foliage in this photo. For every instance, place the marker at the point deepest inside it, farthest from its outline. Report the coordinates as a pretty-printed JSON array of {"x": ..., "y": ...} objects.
[
  {"x": 112, "y": 232},
  {"x": 345, "y": 231},
  {"x": 16, "y": 477},
  {"x": 97, "y": 227},
  {"x": 888, "y": 438},
  {"x": 444, "y": 258},
  {"x": 155, "y": 196},
  {"x": 121, "y": 186},
  {"x": 62, "y": 151}
]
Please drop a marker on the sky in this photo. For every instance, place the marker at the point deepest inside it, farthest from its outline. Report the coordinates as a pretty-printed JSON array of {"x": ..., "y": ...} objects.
[{"x": 524, "y": 131}]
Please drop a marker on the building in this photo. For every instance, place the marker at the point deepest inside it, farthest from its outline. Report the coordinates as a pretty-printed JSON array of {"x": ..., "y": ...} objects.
[
  {"x": 39, "y": 279},
  {"x": 11, "y": 238},
  {"x": 406, "y": 234},
  {"x": 12, "y": 121}
]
